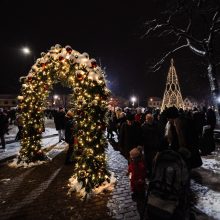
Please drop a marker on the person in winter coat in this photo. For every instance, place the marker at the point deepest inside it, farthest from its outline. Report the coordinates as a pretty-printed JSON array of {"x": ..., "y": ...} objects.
[
  {"x": 198, "y": 120},
  {"x": 138, "y": 116},
  {"x": 59, "y": 120},
  {"x": 111, "y": 125},
  {"x": 207, "y": 141},
  {"x": 3, "y": 127},
  {"x": 18, "y": 122},
  {"x": 179, "y": 135},
  {"x": 150, "y": 140},
  {"x": 137, "y": 174},
  {"x": 211, "y": 118},
  {"x": 120, "y": 120},
  {"x": 136, "y": 171},
  {"x": 129, "y": 136},
  {"x": 70, "y": 130}
]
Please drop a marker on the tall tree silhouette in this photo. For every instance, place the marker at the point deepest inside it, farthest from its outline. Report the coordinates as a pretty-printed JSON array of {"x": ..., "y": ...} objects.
[{"x": 195, "y": 24}]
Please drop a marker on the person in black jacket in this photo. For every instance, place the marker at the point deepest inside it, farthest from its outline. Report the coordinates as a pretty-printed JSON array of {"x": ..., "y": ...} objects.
[
  {"x": 151, "y": 139},
  {"x": 3, "y": 127},
  {"x": 59, "y": 120},
  {"x": 130, "y": 136},
  {"x": 70, "y": 130}
]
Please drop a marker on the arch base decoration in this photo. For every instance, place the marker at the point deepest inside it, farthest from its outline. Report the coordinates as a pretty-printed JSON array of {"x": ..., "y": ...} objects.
[{"x": 89, "y": 105}]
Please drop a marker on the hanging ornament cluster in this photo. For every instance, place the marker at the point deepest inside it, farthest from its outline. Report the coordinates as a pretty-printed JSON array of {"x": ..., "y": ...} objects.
[{"x": 89, "y": 99}]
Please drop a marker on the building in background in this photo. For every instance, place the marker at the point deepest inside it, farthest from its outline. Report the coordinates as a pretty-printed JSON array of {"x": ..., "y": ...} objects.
[
  {"x": 56, "y": 100},
  {"x": 154, "y": 102},
  {"x": 190, "y": 103},
  {"x": 8, "y": 101}
]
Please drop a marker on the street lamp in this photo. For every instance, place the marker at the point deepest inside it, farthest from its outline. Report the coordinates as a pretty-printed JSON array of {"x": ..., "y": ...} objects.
[
  {"x": 133, "y": 99},
  {"x": 26, "y": 50},
  {"x": 55, "y": 98}
]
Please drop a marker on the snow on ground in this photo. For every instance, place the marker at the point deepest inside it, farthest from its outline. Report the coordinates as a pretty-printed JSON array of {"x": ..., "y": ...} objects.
[
  {"x": 207, "y": 194},
  {"x": 13, "y": 148},
  {"x": 212, "y": 163},
  {"x": 13, "y": 131},
  {"x": 208, "y": 200}
]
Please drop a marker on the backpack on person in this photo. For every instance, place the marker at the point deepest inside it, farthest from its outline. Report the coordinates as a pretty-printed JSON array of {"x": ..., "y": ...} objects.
[{"x": 168, "y": 188}]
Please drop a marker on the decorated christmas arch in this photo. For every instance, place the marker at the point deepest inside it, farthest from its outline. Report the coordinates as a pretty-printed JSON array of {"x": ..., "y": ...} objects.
[{"x": 89, "y": 99}]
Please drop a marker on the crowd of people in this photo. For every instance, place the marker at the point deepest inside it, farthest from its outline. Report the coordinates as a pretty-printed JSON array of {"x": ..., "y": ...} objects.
[
  {"x": 66, "y": 127},
  {"x": 142, "y": 136},
  {"x": 156, "y": 131},
  {"x": 63, "y": 120}
]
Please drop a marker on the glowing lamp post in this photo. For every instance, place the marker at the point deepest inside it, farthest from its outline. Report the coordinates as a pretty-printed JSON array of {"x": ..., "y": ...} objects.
[
  {"x": 55, "y": 98},
  {"x": 133, "y": 100},
  {"x": 26, "y": 50}
]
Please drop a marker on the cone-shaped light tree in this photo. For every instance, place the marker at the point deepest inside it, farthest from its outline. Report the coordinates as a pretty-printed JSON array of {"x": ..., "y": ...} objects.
[{"x": 172, "y": 94}]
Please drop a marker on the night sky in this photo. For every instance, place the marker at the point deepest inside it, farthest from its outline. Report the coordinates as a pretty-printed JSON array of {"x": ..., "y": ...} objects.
[{"x": 109, "y": 31}]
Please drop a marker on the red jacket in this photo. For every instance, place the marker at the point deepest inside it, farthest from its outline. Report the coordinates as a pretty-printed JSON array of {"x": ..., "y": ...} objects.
[
  {"x": 137, "y": 117},
  {"x": 137, "y": 172}
]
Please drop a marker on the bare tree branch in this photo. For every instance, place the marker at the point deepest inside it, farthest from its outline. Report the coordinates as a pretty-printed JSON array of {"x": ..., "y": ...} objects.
[
  {"x": 183, "y": 33},
  {"x": 165, "y": 33},
  {"x": 200, "y": 34},
  {"x": 169, "y": 26},
  {"x": 212, "y": 28},
  {"x": 195, "y": 50},
  {"x": 154, "y": 28},
  {"x": 161, "y": 61}
]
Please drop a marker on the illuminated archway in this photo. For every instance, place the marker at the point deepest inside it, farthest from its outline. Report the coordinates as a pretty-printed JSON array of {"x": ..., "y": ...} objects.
[{"x": 89, "y": 99}]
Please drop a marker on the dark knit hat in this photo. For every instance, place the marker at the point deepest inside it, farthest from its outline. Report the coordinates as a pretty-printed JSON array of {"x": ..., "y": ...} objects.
[
  {"x": 172, "y": 112},
  {"x": 130, "y": 117}
]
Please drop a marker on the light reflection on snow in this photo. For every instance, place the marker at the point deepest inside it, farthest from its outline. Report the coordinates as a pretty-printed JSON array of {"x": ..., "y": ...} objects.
[
  {"x": 208, "y": 201},
  {"x": 211, "y": 164}
]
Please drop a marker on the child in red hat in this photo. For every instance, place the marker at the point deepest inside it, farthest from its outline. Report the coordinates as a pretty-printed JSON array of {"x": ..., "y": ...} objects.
[
  {"x": 136, "y": 169},
  {"x": 137, "y": 173}
]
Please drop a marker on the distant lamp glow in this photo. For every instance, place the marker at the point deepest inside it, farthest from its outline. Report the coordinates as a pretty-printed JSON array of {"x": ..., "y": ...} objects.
[
  {"x": 133, "y": 99},
  {"x": 55, "y": 96},
  {"x": 218, "y": 99},
  {"x": 26, "y": 50}
]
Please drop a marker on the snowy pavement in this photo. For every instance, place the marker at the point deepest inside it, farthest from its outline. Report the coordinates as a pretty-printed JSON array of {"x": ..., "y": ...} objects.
[
  {"x": 49, "y": 139},
  {"x": 206, "y": 185},
  {"x": 10, "y": 137},
  {"x": 13, "y": 148}
]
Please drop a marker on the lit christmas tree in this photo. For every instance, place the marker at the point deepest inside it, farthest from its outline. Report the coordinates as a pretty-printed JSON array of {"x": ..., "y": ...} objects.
[
  {"x": 172, "y": 95},
  {"x": 90, "y": 96}
]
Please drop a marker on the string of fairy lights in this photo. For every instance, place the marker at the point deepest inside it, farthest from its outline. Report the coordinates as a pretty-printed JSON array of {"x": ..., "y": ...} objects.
[{"x": 89, "y": 104}]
